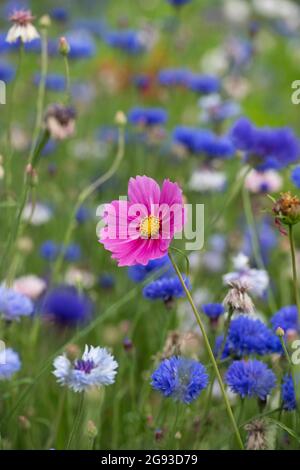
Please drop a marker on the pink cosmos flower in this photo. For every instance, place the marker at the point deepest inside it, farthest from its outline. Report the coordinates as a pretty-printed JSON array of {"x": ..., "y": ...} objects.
[{"x": 141, "y": 228}]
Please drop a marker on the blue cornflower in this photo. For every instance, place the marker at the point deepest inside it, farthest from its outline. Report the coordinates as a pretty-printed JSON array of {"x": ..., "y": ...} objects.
[
  {"x": 147, "y": 116},
  {"x": 203, "y": 142},
  {"x": 72, "y": 252},
  {"x": 191, "y": 139},
  {"x": 295, "y": 176},
  {"x": 14, "y": 305},
  {"x": 139, "y": 272},
  {"x": 49, "y": 250},
  {"x": 251, "y": 336},
  {"x": 178, "y": 3},
  {"x": 66, "y": 306},
  {"x": 9, "y": 363},
  {"x": 265, "y": 148},
  {"x": 7, "y": 71},
  {"x": 288, "y": 393},
  {"x": 204, "y": 84},
  {"x": 54, "y": 82},
  {"x": 82, "y": 44},
  {"x": 286, "y": 318},
  {"x": 166, "y": 288},
  {"x": 180, "y": 378},
  {"x": 59, "y": 14},
  {"x": 83, "y": 214},
  {"x": 217, "y": 147},
  {"x": 250, "y": 378},
  {"x": 107, "y": 281},
  {"x": 213, "y": 311},
  {"x": 96, "y": 368},
  {"x": 126, "y": 40},
  {"x": 174, "y": 77}
]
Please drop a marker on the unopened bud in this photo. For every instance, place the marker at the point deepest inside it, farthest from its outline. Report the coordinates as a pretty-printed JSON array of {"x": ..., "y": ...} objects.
[
  {"x": 45, "y": 21},
  {"x": 63, "y": 46},
  {"x": 279, "y": 332},
  {"x": 120, "y": 118},
  {"x": 127, "y": 344},
  {"x": 91, "y": 429}
]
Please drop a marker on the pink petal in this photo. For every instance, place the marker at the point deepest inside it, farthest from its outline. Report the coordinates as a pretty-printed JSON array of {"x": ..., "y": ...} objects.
[{"x": 143, "y": 190}]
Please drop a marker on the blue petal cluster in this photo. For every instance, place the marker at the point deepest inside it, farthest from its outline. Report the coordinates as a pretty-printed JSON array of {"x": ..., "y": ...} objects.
[
  {"x": 288, "y": 393},
  {"x": 286, "y": 318},
  {"x": 250, "y": 378},
  {"x": 174, "y": 77},
  {"x": 53, "y": 82},
  {"x": 66, "y": 306},
  {"x": 127, "y": 40},
  {"x": 265, "y": 148},
  {"x": 9, "y": 363},
  {"x": 178, "y": 3},
  {"x": 7, "y": 71},
  {"x": 166, "y": 288},
  {"x": 213, "y": 311},
  {"x": 295, "y": 176},
  {"x": 251, "y": 336},
  {"x": 147, "y": 116},
  {"x": 204, "y": 84},
  {"x": 14, "y": 305},
  {"x": 180, "y": 378},
  {"x": 82, "y": 44},
  {"x": 204, "y": 142},
  {"x": 139, "y": 272}
]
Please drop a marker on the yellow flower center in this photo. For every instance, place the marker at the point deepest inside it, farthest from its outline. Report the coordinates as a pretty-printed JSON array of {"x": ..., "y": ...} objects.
[{"x": 149, "y": 226}]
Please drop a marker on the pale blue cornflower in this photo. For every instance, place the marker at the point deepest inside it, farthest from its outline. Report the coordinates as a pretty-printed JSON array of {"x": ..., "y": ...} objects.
[{"x": 96, "y": 367}]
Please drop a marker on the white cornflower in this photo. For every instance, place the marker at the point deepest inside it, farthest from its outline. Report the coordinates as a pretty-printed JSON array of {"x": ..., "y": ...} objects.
[
  {"x": 22, "y": 27},
  {"x": 207, "y": 180},
  {"x": 37, "y": 214},
  {"x": 96, "y": 367}
]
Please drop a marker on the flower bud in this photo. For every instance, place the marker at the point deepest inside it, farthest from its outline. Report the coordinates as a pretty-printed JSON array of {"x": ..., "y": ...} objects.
[
  {"x": 287, "y": 209},
  {"x": 280, "y": 332},
  {"x": 45, "y": 21},
  {"x": 91, "y": 429},
  {"x": 120, "y": 118},
  {"x": 63, "y": 46}
]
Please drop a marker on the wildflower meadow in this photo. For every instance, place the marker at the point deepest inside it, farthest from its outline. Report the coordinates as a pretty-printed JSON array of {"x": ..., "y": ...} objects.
[{"x": 150, "y": 226}]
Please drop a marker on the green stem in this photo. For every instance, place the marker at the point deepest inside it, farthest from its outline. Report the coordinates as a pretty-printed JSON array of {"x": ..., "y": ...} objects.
[
  {"x": 41, "y": 94},
  {"x": 86, "y": 193},
  {"x": 9, "y": 156},
  {"x": 255, "y": 242},
  {"x": 15, "y": 231},
  {"x": 68, "y": 79},
  {"x": 77, "y": 420},
  {"x": 295, "y": 278},
  {"x": 210, "y": 353}
]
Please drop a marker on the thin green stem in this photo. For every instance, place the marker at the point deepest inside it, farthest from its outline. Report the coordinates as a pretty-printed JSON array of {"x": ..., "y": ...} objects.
[
  {"x": 68, "y": 79},
  {"x": 294, "y": 267},
  {"x": 210, "y": 353},
  {"x": 77, "y": 420},
  {"x": 15, "y": 230},
  {"x": 255, "y": 242},
  {"x": 41, "y": 94},
  {"x": 7, "y": 161},
  {"x": 86, "y": 193}
]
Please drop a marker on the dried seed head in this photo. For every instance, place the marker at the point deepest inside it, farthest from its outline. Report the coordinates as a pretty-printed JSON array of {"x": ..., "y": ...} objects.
[
  {"x": 237, "y": 298},
  {"x": 257, "y": 435}
]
